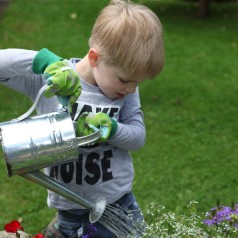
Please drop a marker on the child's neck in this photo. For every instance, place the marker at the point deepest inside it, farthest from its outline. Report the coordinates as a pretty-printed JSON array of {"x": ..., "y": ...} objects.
[{"x": 85, "y": 71}]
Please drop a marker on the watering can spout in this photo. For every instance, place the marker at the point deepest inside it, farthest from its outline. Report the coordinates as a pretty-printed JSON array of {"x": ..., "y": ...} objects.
[{"x": 96, "y": 210}]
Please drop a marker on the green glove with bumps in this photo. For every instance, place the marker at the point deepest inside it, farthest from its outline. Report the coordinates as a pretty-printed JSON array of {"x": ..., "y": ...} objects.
[
  {"x": 62, "y": 80},
  {"x": 82, "y": 128},
  {"x": 91, "y": 122}
]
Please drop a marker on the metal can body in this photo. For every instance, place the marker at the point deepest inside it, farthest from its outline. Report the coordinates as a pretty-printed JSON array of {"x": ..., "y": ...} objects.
[{"x": 38, "y": 142}]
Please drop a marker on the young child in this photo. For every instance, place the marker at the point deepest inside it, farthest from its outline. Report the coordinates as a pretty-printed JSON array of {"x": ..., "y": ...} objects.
[{"x": 125, "y": 49}]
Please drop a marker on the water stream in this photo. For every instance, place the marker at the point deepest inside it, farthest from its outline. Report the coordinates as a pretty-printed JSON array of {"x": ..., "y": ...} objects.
[{"x": 121, "y": 223}]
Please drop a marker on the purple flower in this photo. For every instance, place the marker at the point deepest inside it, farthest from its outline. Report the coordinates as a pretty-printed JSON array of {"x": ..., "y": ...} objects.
[
  {"x": 221, "y": 214},
  {"x": 90, "y": 230},
  {"x": 87, "y": 236},
  {"x": 236, "y": 226},
  {"x": 209, "y": 222}
]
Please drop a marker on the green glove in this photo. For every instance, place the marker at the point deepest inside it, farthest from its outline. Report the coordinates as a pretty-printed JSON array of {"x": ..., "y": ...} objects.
[
  {"x": 82, "y": 128},
  {"x": 43, "y": 59},
  {"x": 89, "y": 123},
  {"x": 62, "y": 80}
]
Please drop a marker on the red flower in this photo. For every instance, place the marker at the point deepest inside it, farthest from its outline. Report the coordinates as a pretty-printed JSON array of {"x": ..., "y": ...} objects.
[
  {"x": 13, "y": 226},
  {"x": 39, "y": 236}
]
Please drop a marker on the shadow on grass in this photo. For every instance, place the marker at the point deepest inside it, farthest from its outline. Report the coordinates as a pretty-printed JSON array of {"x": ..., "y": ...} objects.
[
  {"x": 187, "y": 10},
  {"x": 3, "y": 5}
]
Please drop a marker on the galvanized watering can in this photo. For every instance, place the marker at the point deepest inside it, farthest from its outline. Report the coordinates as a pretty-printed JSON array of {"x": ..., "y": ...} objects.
[{"x": 32, "y": 143}]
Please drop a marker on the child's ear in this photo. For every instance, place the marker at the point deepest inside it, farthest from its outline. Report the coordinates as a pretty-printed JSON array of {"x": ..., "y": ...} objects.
[{"x": 93, "y": 56}]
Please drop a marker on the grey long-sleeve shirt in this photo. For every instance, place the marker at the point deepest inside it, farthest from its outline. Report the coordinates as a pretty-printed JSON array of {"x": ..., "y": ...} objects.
[{"x": 103, "y": 170}]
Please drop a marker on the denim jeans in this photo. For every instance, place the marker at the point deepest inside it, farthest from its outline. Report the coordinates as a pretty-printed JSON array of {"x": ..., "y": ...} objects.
[{"x": 75, "y": 223}]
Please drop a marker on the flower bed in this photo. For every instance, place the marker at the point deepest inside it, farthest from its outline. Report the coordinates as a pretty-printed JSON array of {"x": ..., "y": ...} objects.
[
  {"x": 219, "y": 222},
  {"x": 14, "y": 229}
]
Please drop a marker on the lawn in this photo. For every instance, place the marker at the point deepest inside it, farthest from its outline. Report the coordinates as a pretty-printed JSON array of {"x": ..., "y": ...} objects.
[{"x": 190, "y": 109}]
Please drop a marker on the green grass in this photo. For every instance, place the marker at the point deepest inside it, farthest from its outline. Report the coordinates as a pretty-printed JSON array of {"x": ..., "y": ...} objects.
[{"x": 190, "y": 109}]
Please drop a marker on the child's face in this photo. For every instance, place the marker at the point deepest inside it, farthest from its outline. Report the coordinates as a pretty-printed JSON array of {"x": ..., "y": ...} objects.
[{"x": 114, "y": 82}]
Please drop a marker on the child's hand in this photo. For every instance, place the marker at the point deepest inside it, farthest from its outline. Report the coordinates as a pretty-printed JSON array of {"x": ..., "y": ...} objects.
[
  {"x": 82, "y": 128},
  {"x": 91, "y": 122},
  {"x": 62, "y": 81}
]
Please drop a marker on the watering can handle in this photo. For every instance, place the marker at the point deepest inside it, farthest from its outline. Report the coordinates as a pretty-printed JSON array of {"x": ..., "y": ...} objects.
[
  {"x": 92, "y": 138},
  {"x": 32, "y": 108},
  {"x": 61, "y": 99}
]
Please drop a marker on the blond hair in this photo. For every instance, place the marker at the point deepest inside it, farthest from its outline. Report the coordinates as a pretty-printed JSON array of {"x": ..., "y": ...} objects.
[{"x": 129, "y": 36}]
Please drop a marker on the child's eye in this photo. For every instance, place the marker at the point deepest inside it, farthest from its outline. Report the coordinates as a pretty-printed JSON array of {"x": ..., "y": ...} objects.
[{"x": 122, "y": 80}]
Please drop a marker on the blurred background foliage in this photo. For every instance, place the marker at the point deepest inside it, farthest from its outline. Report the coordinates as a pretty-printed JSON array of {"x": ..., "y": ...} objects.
[{"x": 190, "y": 109}]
